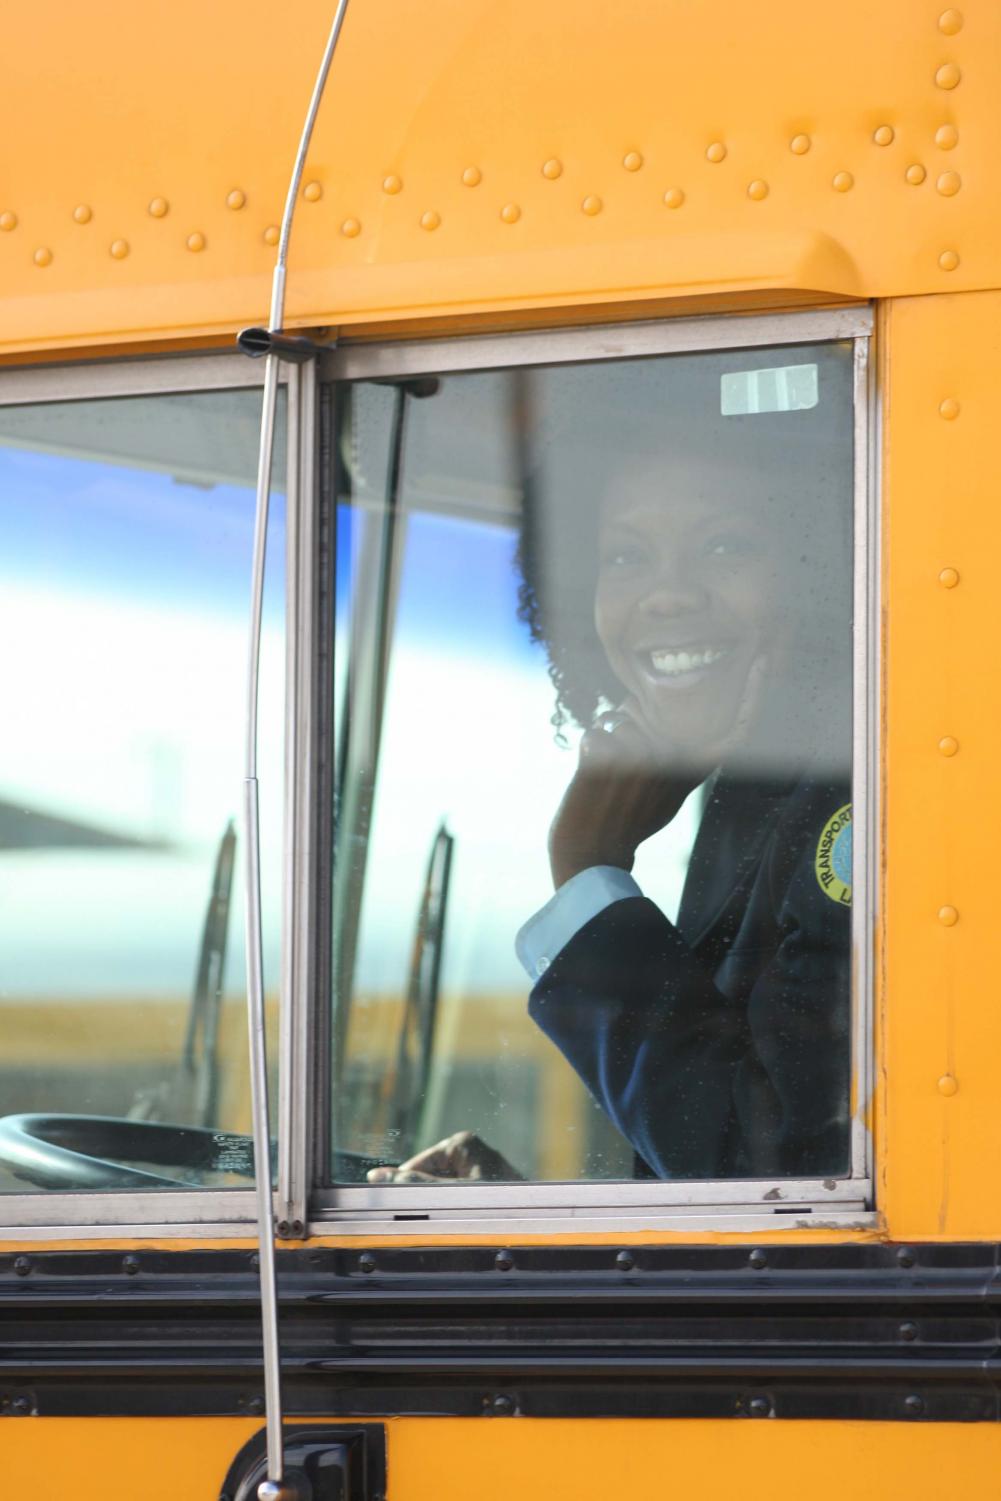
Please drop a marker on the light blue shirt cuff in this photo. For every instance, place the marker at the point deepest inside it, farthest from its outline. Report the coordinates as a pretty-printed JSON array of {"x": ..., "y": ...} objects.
[{"x": 577, "y": 901}]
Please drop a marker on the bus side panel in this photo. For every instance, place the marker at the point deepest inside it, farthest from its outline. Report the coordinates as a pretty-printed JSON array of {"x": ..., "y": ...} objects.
[{"x": 941, "y": 1025}]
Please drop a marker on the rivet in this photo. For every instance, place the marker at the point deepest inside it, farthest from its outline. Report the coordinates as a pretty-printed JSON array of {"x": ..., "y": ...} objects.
[
  {"x": 632, "y": 161},
  {"x": 905, "y": 1257},
  {"x": 195, "y": 241},
  {"x": 949, "y": 184},
  {"x": 946, "y": 137},
  {"x": 503, "y": 1406},
  {"x": 366, "y": 1262},
  {"x": 510, "y": 213},
  {"x": 552, "y": 169},
  {"x": 591, "y": 205},
  {"x": 799, "y": 145},
  {"x": 236, "y": 199},
  {"x": 950, "y": 21},
  {"x": 83, "y": 213},
  {"x": 715, "y": 151},
  {"x": 504, "y": 1261},
  {"x": 272, "y": 234},
  {"x": 255, "y": 1406},
  {"x": 842, "y": 182},
  {"x": 625, "y": 1261},
  {"x": 757, "y": 1260},
  {"x": 430, "y": 219},
  {"x": 948, "y": 578},
  {"x": 759, "y": 1407},
  {"x": 392, "y": 184},
  {"x": 947, "y": 1085},
  {"x": 42, "y": 256},
  {"x": 948, "y": 260},
  {"x": 915, "y": 174},
  {"x": 883, "y": 135},
  {"x": 130, "y": 1265},
  {"x": 118, "y": 249},
  {"x": 158, "y": 208},
  {"x": 351, "y": 228},
  {"x": 8, "y": 221},
  {"x": 947, "y": 76},
  {"x": 22, "y": 1266},
  {"x": 908, "y": 1330},
  {"x": 949, "y": 409},
  {"x": 948, "y": 917},
  {"x": 472, "y": 177},
  {"x": 757, "y": 189},
  {"x": 914, "y": 1405},
  {"x": 948, "y": 745},
  {"x": 313, "y": 192},
  {"x": 674, "y": 197}
]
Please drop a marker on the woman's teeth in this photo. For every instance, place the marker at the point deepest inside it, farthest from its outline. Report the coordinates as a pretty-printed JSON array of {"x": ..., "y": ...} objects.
[{"x": 672, "y": 664}]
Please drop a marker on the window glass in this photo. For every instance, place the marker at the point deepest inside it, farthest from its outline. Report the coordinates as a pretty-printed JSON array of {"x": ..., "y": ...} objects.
[
  {"x": 124, "y": 600},
  {"x": 592, "y": 868}
]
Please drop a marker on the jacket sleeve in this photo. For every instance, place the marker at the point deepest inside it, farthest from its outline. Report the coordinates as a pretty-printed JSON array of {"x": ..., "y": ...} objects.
[
  {"x": 633, "y": 1011},
  {"x": 703, "y": 1085}
]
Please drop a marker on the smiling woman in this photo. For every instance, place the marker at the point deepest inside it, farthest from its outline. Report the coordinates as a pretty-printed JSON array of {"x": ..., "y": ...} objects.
[{"x": 682, "y": 528}]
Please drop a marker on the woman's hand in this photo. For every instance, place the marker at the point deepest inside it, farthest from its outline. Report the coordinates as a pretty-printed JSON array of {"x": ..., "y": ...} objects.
[
  {"x": 628, "y": 786},
  {"x": 463, "y": 1156},
  {"x": 622, "y": 792}
]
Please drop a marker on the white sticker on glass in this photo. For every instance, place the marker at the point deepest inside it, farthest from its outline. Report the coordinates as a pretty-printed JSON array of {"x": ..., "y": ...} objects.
[{"x": 787, "y": 388}]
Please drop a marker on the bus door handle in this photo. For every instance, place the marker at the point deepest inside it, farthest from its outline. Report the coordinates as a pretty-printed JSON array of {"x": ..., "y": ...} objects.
[{"x": 328, "y": 1462}]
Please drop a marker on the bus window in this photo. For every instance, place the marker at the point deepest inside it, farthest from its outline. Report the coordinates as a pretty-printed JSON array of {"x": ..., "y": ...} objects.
[
  {"x": 128, "y": 528},
  {"x": 592, "y": 911}
]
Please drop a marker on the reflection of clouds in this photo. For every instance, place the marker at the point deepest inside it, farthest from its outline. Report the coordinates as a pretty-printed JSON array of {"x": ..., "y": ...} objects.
[
  {"x": 112, "y": 691},
  {"x": 132, "y": 715}
]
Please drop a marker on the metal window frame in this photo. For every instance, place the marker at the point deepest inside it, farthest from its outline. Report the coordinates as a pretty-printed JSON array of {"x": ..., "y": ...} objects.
[
  {"x": 508, "y": 1210},
  {"x": 209, "y": 1212},
  {"x": 737, "y": 1205}
]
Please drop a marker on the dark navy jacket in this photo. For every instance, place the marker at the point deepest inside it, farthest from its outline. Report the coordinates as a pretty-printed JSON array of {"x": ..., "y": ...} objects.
[{"x": 720, "y": 1046}]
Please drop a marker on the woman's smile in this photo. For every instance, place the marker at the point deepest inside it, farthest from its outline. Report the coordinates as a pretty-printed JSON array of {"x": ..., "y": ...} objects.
[{"x": 680, "y": 666}]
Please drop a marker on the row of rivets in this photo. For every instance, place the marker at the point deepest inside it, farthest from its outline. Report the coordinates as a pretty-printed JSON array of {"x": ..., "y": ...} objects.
[
  {"x": 592, "y": 205},
  {"x": 948, "y": 184},
  {"x": 947, "y": 76}
]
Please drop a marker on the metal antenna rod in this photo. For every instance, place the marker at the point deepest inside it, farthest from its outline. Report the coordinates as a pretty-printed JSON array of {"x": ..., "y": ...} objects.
[{"x": 273, "y": 1486}]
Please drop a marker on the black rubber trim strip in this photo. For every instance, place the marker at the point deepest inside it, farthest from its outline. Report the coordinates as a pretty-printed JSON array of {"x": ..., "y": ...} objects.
[{"x": 870, "y": 1331}]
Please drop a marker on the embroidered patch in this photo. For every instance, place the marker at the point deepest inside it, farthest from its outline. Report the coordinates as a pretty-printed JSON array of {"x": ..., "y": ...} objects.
[{"x": 833, "y": 865}]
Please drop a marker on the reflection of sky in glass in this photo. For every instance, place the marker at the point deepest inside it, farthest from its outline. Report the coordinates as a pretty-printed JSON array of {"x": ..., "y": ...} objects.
[
  {"x": 126, "y": 593},
  {"x": 127, "y": 533}
]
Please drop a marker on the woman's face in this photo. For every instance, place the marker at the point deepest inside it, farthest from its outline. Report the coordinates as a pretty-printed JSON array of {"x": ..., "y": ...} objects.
[{"x": 689, "y": 596}]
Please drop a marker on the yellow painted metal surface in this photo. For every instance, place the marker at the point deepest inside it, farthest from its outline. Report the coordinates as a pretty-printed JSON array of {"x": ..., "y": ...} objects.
[
  {"x": 941, "y": 1031},
  {"x": 509, "y": 162},
  {"x": 496, "y": 1459},
  {"x": 476, "y": 157}
]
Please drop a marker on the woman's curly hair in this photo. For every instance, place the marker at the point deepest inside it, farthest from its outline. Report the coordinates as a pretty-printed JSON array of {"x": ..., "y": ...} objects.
[{"x": 556, "y": 603}]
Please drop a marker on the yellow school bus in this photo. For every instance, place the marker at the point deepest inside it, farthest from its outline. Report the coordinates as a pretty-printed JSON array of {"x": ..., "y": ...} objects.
[{"x": 603, "y": 495}]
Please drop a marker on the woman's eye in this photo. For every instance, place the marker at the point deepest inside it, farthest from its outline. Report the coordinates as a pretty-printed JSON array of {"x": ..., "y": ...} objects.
[
  {"x": 729, "y": 545},
  {"x": 622, "y": 555}
]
